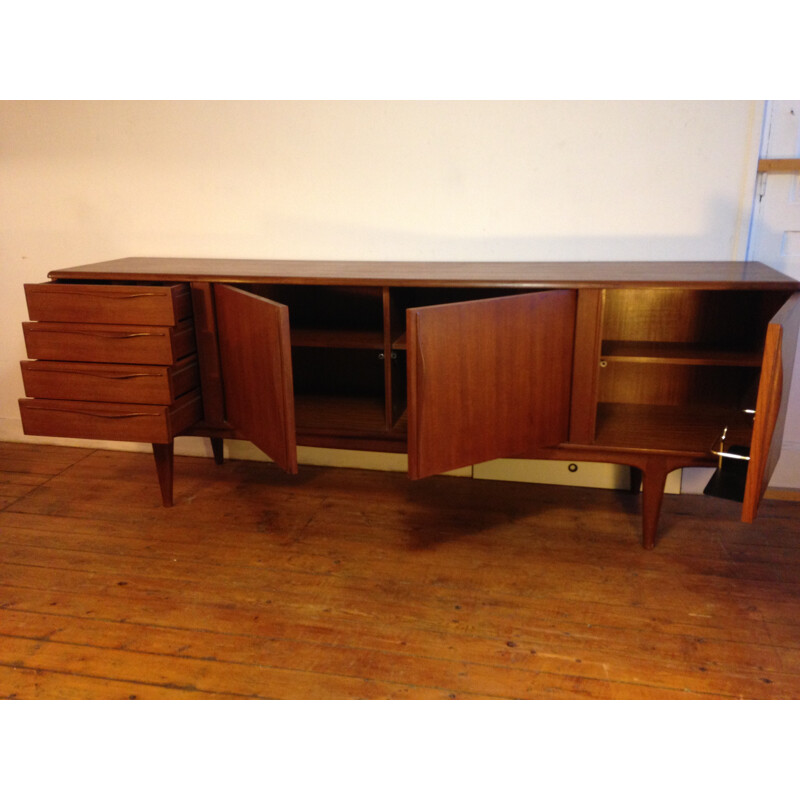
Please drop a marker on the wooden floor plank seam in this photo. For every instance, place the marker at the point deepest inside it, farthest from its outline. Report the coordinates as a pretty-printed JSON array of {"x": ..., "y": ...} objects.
[
  {"x": 745, "y": 581},
  {"x": 71, "y": 673},
  {"x": 263, "y": 670},
  {"x": 270, "y": 545},
  {"x": 20, "y": 683},
  {"x": 282, "y": 639},
  {"x": 740, "y": 674},
  {"x": 465, "y": 597},
  {"x": 529, "y": 632},
  {"x": 39, "y": 483},
  {"x": 708, "y": 634},
  {"x": 639, "y": 685}
]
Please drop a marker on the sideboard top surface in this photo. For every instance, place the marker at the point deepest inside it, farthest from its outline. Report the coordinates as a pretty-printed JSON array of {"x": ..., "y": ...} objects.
[{"x": 563, "y": 274}]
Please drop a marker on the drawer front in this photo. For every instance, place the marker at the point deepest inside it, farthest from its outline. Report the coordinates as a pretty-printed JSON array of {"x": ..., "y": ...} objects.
[
  {"x": 125, "y": 422},
  {"x": 65, "y": 380},
  {"x": 113, "y": 304},
  {"x": 115, "y": 344}
]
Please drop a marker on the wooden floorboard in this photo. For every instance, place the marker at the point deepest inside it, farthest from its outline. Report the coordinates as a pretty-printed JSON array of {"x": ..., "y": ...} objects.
[
  {"x": 351, "y": 584},
  {"x": 23, "y": 468}
]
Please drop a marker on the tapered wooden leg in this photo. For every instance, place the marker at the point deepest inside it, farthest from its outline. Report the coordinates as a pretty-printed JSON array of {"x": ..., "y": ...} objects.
[
  {"x": 216, "y": 449},
  {"x": 163, "y": 454},
  {"x": 654, "y": 478}
]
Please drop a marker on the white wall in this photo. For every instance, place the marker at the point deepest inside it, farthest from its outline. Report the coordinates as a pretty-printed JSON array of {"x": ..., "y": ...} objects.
[{"x": 89, "y": 181}]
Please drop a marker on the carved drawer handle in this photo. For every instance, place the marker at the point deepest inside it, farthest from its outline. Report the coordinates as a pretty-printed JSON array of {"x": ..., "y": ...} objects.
[
  {"x": 98, "y": 414},
  {"x": 122, "y": 377},
  {"x": 102, "y": 335},
  {"x": 109, "y": 295}
]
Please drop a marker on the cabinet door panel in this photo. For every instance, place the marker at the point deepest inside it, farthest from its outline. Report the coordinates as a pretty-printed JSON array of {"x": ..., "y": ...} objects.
[
  {"x": 256, "y": 361},
  {"x": 773, "y": 397},
  {"x": 488, "y": 379}
]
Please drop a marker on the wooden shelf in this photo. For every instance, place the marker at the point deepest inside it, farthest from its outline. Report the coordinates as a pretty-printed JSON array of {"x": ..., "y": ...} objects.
[
  {"x": 686, "y": 429},
  {"x": 678, "y": 353},
  {"x": 334, "y": 413},
  {"x": 345, "y": 339}
]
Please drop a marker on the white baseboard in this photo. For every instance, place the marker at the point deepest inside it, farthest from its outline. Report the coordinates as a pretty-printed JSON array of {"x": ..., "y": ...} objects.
[
  {"x": 589, "y": 474},
  {"x": 609, "y": 476},
  {"x": 11, "y": 431}
]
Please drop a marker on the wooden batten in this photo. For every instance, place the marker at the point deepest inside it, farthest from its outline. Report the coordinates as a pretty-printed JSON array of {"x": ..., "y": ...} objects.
[{"x": 779, "y": 165}]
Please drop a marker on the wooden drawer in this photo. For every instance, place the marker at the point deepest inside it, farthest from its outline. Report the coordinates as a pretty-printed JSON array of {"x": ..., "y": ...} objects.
[
  {"x": 127, "y": 422},
  {"x": 115, "y": 344},
  {"x": 65, "y": 380},
  {"x": 112, "y": 303}
]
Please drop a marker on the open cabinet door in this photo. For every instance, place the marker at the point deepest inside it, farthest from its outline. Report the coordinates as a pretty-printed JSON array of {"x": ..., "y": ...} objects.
[
  {"x": 256, "y": 361},
  {"x": 488, "y": 379},
  {"x": 773, "y": 399}
]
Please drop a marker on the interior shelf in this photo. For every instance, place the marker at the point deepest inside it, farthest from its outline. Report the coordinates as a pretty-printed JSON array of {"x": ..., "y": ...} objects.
[
  {"x": 679, "y": 353},
  {"x": 691, "y": 429},
  {"x": 346, "y": 339},
  {"x": 334, "y": 414}
]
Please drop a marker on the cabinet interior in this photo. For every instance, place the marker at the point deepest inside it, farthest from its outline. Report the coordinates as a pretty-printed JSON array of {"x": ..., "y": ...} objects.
[
  {"x": 349, "y": 355},
  {"x": 678, "y": 365}
]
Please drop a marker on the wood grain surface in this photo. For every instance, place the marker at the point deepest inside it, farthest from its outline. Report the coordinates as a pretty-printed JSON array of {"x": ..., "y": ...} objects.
[
  {"x": 564, "y": 274},
  {"x": 255, "y": 355}
]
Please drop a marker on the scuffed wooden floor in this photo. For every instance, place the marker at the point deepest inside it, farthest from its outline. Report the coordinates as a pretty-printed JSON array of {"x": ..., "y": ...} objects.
[{"x": 348, "y": 584}]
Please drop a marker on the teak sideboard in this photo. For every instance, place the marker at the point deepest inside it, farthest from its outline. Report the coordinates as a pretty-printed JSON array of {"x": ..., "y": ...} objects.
[{"x": 653, "y": 365}]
